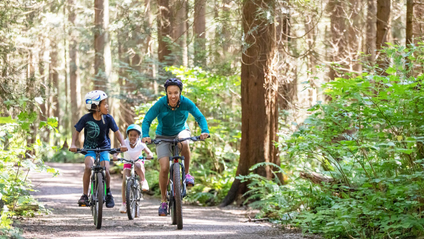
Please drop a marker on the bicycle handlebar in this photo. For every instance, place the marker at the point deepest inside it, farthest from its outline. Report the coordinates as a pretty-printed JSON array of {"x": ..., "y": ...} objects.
[
  {"x": 175, "y": 141},
  {"x": 111, "y": 151},
  {"x": 132, "y": 161}
]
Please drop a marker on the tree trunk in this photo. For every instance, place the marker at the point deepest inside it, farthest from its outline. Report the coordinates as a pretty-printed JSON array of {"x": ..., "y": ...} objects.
[
  {"x": 54, "y": 80},
  {"x": 102, "y": 59},
  {"x": 65, "y": 121},
  {"x": 383, "y": 30},
  {"x": 414, "y": 21},
  {"x": 73, "y": 68},
  {"x": 371, "y": 31},
  {"x": 338, "y": 41},
  {"x": 149, "y": 25},
  {"x": 164, "y": 33},
  {"x": 179, "y": 32},
  {"x": 355, "y": 32},
  {"x": 199, "y": 29},
  {"x": 30, "y": 91},
  {"x": 259, "y": 96}
]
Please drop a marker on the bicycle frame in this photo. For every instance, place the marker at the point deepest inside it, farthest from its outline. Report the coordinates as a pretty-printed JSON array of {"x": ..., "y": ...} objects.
[{"x": 96, "y": 170}]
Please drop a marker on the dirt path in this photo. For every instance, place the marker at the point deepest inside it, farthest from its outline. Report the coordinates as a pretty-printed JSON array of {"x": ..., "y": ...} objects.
[{"x": 67, "y": 220}]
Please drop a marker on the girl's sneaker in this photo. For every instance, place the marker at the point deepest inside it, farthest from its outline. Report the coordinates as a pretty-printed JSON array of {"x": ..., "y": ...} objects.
[
  {"x": 145, "y": 186},
  {"x": 123, "y": 208}
]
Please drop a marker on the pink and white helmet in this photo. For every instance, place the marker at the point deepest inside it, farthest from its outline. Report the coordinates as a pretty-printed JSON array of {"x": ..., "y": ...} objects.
[{"x": 94, "y": 97}]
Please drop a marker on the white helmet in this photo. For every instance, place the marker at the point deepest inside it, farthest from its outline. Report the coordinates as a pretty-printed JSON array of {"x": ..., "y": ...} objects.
[{"x": 94, "y": 97}]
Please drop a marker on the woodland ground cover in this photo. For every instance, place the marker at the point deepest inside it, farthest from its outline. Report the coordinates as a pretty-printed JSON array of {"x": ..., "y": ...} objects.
[{"x": 356, "y": 163}]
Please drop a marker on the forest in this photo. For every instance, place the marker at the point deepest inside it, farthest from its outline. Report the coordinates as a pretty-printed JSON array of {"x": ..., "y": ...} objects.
[{"x": 314, "y": 107}]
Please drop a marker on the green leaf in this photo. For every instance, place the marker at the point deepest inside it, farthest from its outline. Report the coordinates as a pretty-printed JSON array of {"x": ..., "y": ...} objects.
[{"x": 7, "y": 120}]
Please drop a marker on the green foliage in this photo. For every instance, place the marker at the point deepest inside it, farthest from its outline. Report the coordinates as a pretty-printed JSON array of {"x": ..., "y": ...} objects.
[
  {"x": 16, "y": 160},
  {"x": 368, "y": 139}
]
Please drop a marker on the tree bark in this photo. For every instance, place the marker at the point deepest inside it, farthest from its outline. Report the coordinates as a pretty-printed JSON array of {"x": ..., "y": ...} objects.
[
  {"x": 179, "y": 32},
  {"x": 102, "y": 59},
  {"x": 383, "y": 30},
  {"x": 414, "y": 21},
  {"x": 338, "y": 40},
  {"x": 164, "y": 33},
  {"x": 371, "y": 31},
  {"x": 54, "y": 80},
  {"x": 259, "y": 96},
  {"x": 355, "y": 35},
  {"x": 30, "y": 91},
  {"x": 73, "y": 68},
  {"x": 149, "y": 25},
  {"x": 199, "y": 29}
]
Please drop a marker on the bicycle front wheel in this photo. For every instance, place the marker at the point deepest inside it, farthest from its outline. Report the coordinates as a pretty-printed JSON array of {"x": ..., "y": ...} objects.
[
  {"x": 98, "y": 205},
  {"x": 130, "y": 197},
  {"x": 177, "y": 196}
]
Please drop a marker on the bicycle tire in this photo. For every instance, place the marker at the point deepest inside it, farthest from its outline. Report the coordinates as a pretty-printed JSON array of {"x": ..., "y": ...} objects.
[
  {"x": 130, "y": 199},
  {"x": 172, "y": 209},
  {"x": 99, "y": 201},
  {"x": 177, "y": 196}
]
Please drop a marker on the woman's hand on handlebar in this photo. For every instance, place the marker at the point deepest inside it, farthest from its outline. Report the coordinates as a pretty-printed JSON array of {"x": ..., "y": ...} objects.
[
  {"x": 146, "y": 140},
  {"x": 203, "y": 136}
]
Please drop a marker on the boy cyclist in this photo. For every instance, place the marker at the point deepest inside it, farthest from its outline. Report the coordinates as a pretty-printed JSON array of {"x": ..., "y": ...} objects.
[
  {"x": 96, "y": 125},
  {"x": 135, "y": 149}
]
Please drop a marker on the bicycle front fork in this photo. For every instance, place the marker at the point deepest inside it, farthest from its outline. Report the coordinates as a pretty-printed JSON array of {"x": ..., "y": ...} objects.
[{"x": 183, "y": 176}]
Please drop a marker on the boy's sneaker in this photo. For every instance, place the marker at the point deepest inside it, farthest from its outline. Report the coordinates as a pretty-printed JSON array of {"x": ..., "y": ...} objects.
[
  {"x": 123, "y": 208},
  {"x": 110, "y": 203},
  {"x": 83, "y": 201},
  {"x": 145, "y": 186},
  {"x": 163, "y": 209},
  {"x": 189, "y": 180}
]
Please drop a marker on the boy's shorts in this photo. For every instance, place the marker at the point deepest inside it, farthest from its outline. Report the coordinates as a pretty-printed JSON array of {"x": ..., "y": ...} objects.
[
  {"x": 104, "y": 156},
  {"x": 163, "y": 149}
]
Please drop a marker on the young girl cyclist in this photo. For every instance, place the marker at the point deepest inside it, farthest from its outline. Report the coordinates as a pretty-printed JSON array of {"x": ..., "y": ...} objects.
[
  {"x": 135, "y": 149},
  {"x": 96, "y": 125}
]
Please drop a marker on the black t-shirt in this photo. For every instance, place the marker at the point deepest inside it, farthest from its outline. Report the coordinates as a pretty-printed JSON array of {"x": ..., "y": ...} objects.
[{"x": 96, "y": 133}]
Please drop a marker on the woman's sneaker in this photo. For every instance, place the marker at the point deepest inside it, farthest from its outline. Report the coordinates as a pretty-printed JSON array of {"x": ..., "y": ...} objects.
[
  {"x": 145, "y": 186},
  {"x": 123, "y": 208},
  {"x": 189, "y": 180},
  {"x": 163, "y": 209}
]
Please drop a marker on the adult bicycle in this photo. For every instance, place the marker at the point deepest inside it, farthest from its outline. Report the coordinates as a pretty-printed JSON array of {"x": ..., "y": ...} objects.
[
  {"x": 177, "y": 188},
  {"x": 97, "y": 192},
  {"x": 133, "y": 192}
]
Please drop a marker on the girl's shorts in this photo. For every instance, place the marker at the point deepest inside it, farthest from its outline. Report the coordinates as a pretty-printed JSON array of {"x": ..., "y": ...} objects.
[{"x": 128, "y": 165}]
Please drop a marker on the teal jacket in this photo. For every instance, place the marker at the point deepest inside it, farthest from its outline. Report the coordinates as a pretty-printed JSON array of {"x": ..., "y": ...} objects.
[{"x": 172, "y": 122}]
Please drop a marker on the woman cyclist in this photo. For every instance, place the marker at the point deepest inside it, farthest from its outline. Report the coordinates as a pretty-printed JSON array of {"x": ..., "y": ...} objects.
[{"x": 172, "y": 112}]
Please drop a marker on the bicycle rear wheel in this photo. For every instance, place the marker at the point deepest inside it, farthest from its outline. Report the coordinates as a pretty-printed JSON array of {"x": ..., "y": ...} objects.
[
  {"x": 98, "y": 205},
  {"x": 130, "y": 197},
  {"x": 177, "y": 196}
]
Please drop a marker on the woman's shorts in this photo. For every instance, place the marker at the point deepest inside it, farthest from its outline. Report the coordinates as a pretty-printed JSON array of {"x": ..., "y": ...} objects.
[
  {"x": 104, "y": 156},
  {"x": 163, "y": 149}
]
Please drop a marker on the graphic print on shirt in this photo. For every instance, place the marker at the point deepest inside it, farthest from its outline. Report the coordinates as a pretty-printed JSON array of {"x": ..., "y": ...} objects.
[{"x": 93, "y": 132}]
